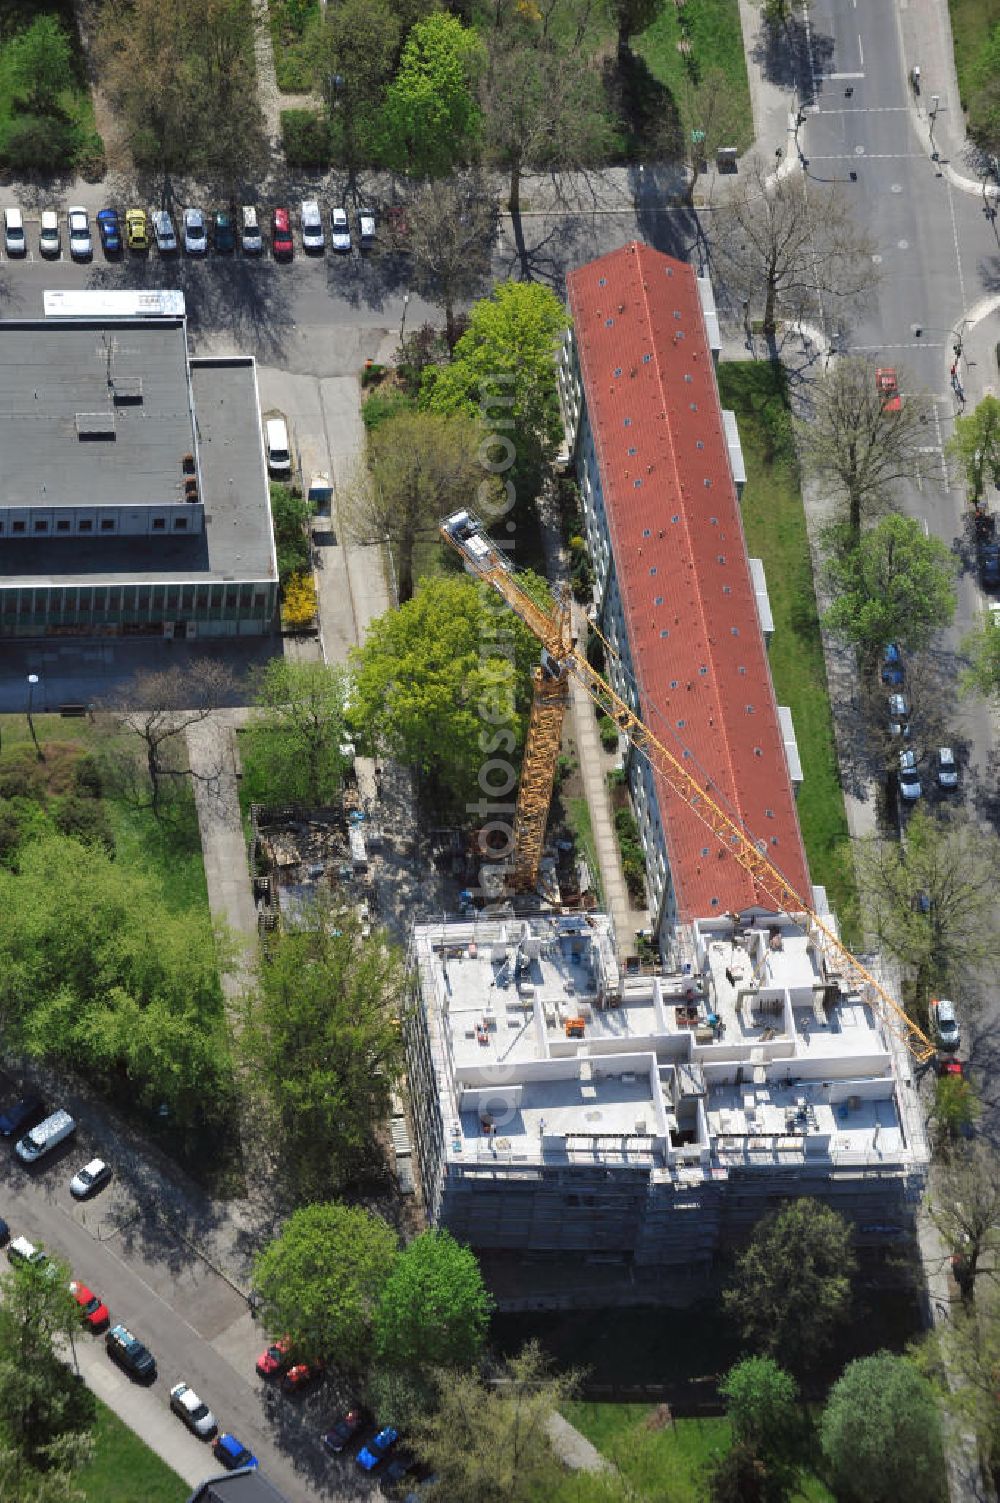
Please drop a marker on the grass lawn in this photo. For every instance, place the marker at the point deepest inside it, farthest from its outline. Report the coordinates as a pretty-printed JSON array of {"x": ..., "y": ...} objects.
[
  {"x": 125, "y": 1470},
  {"x": 712, "y": 30},
  {"x": 971, "y": 24},
  {"x": 774, "y": 521},
  {"x": 578, "y": 819}
]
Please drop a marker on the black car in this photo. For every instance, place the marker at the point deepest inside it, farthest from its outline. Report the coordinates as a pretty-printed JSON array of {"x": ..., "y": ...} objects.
[
  {"x": 344, "y": 1429},
  {"x": 129, "y": 1353},
  {"x": 24, "y": 1114},
  {"x": 989, "y": 564},
  {"x": 223, "y": 232}
]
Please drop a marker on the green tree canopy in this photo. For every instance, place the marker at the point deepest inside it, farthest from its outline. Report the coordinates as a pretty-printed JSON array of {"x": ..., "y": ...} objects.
[
  {"x": 896, "y": 585},
  {"x": 503, "y": 373},
  {"x": 356, "y": 42},
  {"x": 321, "y": 1042},
  {"x": 762, "y": 1405},
  {"x": 982, "y": 649},
  {"x": 291, "y": 751},
  {"x": 430, "y": 119},
  {"x": 443, "y": 684},
  {"x": 975, "y": 445},
  {"x": 320, "y": 1280},
  {"x": 881, "y": 1433},
  {"x": 40, "y": 59},
  {"x": 40, "y": 1398},
  {"x": 434, "y": 1310},
  {"x": 793, "y": 1282},
  {"x": 632, "y": 16}
]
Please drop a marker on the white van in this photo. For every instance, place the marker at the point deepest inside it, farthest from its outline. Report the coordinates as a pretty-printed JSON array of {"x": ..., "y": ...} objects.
[
  {"x": 46, "y": 1136},
  {"x": 251, "y": 240},
  {"x": 13, "y": 232},
  {"x": 312, "y": 226},
  {"x": 279, "y": 455}
]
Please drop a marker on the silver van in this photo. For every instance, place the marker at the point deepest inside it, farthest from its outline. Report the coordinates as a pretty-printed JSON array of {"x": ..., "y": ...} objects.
[
  {"x": 46, "y": 1136},
  {"x": 251, "y": 240}
]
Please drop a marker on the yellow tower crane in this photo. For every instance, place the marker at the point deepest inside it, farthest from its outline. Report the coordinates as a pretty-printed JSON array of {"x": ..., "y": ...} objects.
[{"x": 560, "y": 658}]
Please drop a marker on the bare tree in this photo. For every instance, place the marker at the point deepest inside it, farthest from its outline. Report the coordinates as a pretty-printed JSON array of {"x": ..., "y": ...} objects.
[
  {"x": 713, "y": 115},
  {"x": 452, "y": 229},
  {"x": 798, "y": 251},
  {"x": 858, "y": 440},
  {"x": 158, "y": 707},
  {"x": 966, "y": 1211}
]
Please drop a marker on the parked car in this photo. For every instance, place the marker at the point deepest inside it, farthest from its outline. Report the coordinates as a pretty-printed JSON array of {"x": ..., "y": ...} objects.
[
  {"x": 340, "y": 231},
  {"x": 39, "y": 1141},
  {"x": 49, "y": 238},
  {"x": 251, "y": 239},
  {"x": 302, "y": 1375},
  {"x": 989, "y": 565},
  {"x": 195, "y": 234},
  {"x": 163, "y": 229},
  {"x": 366, "y": 229},
  {"x": 109, "y": 228},
  {"x": 81, "y": 247},
  {"x": 4, "y": 1232},
  {"x": 950, "y": 1067},
  {"x": 377, "y": 1449},
  {"x": 947, "y": 768},
  {"x": 909, "y": 777},
  {"x": 22, "y": 1115},
  {"x": 93, "y": 1310},
  {"x": 90, "y": 1179},
  {"x": 282, "y": 244},
  {"x": 399, "y": 1467},
  {"x": 232, "y": 1453},
  {"x": 945, "y": 1021},
  {"x": 888, "y": 387},
  {"x": 344, "y": 1429},
  {"x": 274, "y": 1358},
  {"x": 189, "y": 1407},
  {"x": 899, "y": 715},
  {"x": 129, "y": 1353},
  {"x": 223, "y": 234},
  {"x": 279, "y": 454},
  {"x": 893, "y": 672},
  {"x": 14, "y": 239},
  {"x": 313, "y": 238},
  {"x": 136, "y": 230},
  {"x": 20, "y": 1250}
]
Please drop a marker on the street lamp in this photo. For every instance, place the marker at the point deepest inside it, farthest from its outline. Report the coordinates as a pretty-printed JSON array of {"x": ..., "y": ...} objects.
[
  {"x": 32, "y": 681},
  {"x": 402, "y": 321},
  {"x": 935, "y": 105}
]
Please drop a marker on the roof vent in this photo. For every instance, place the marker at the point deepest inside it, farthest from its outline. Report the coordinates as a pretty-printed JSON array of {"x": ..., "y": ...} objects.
[
  {"x": 127, "y": 392},
  {"x": 95, "y": 425},
  {"x": 187, "y": 464}
]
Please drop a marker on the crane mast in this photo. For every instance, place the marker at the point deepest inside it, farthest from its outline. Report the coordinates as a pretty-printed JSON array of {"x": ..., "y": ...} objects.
[{"x": 487, "y": 562}]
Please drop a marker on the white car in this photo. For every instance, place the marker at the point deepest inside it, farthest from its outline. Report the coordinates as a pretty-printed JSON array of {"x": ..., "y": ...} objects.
[
  {"x": 340, "y": 230},
  {"x": 909, "y": 777},
  {"x": 81, "y": 247},
  {"x": 163, "y": 229},
  {"x": 49, "y": 242},
  {"x": 90, "y": 1179},
  {"x": 195, "y": 233},
  {"x": 196, "y": 1415},
  {"x": 899, "y": 715},
  {"x": 13, "y": 232},
  {"x": 366, "y": 228},
  {"x": 313, "y": 238},
  {"x": 947, "y": 768}
]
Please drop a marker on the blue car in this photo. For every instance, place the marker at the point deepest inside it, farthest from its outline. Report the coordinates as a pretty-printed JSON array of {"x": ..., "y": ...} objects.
[
  {"x": 110, "y": 228},
  {"x": 377, "y": 1449},
  {"x": 232, "y": 1453},
  {"x": 892, "y": 665}
]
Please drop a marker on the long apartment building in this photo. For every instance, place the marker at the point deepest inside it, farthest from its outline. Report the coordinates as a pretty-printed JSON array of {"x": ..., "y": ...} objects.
[
  {"x": 562, "y": 1107},
  {"x": 686, "y": 611}
]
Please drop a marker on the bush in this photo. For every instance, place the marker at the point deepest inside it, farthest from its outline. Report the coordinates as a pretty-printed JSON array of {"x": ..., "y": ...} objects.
[
  {"x": 87, "y": 779},
  {"x": 382, "y": 405},
  {"x": 299, "y": 603},
  {"x": 609, "y": 733},
  {"x": 373, "y": 374},
  {"x": 290, "y": 513},
  {"x": 86, "y": 819},
  {"x": 305, "y": 136},
  {"x": 39, "y": 143}
]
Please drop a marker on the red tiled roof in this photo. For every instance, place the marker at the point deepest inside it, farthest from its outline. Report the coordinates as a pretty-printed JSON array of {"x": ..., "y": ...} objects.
[{"x": 680, "y": 556}]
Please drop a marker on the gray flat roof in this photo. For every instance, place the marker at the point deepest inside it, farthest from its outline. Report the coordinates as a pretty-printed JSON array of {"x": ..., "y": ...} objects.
[
  {"x": 237, "y": 543},
  {"x": 57, "y": 376}
]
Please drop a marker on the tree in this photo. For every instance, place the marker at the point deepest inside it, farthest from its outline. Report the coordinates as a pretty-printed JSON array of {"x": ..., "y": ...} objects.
[
  {"x": 855, "y": 443},
  {"x": 158, "y": 706},
  {"x": 930, "y": 899},
  {"x": 292, "y": 750},
  {"x": 443, "y": 685},
  {"x": 422, "y": 466},
  {"x": 354, "y": 46},
  {"x": 741, "y": 1476},
  {"x": 452, "y": 230},
  {"x": 895, "y": 585},
  {"x": 881, "y": 1433},
  {"x": 503, "y": 373},
  {"x": 430, "y": 119},
  {"x": 320, "y": 1279},
  {"x": 974, "y": 447},
  {"x": 630, "y": 16},
  {"x": 955, "y": 1110},
  {"x": 291, "y": 515},
  {"x": 776, "y": 239},
  {"x": 487, "y": 1441},
  {"x": 982, "y": 649},
  {"x": 762, "y": 1406},
  {"x": 321, "y": 1043},
  {"x": 966, "y": 1211},
  {"x": 712, "y": 115},
  {"x": 230, "y": 143},
  {"x": 961, "y": 1355},
  {"x": 793, "y": 1282},
  {"x": 434, "y": 1310},
  {"x": 40, "y": 59},
  {"x": 53, "y": 1481},
  {"x": 40, "y": 1397}
]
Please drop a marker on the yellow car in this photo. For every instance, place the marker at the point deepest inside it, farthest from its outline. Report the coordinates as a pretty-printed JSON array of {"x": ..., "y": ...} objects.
[{"x": 136, "y": 229}]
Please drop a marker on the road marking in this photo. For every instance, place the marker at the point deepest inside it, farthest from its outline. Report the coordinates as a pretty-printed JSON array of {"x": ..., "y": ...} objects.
[
  {"x": 927, "y": 530},
  {"x": 940, "y": 439},
  {"x": 861, "y": 52},
  {"x": 836, "y": 77},
  {"x": 866, "y": 109},
  {"x": 915, "y": 344},
  {"x": 954, "y": 236},
  {"x": 879, "y": 156}
]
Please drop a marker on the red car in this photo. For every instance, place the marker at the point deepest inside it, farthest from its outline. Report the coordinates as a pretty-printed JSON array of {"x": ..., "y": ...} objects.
[
  {"x": 888, "y": 386},
  {"x": 951, "y": 1067},
  {"x": 275, "y": 1359},
  {"x": 302, "y": 1375},
  {"x": 282, "y": 244},
  {"x": 93, "y": 1310}
]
